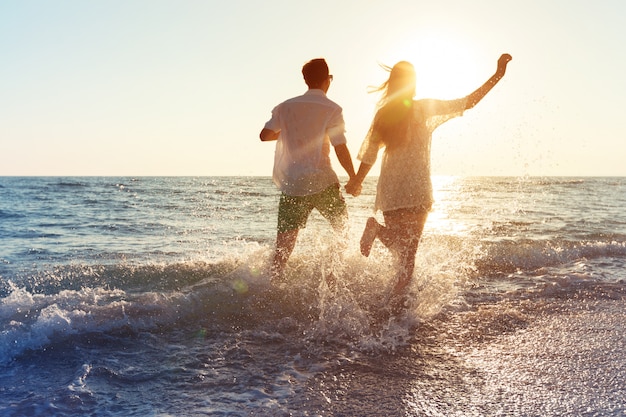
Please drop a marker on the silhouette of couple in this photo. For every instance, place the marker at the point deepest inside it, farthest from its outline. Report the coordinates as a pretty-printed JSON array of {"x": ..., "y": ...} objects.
[{"x": 304, "y": 128}]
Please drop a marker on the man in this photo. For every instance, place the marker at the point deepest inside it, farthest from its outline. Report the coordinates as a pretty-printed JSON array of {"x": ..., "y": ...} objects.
[{"x": 304, "y": 128}]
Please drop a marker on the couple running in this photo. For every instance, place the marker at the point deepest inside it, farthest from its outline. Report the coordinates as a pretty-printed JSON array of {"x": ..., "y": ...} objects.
[{"x": 304, "y": 128}]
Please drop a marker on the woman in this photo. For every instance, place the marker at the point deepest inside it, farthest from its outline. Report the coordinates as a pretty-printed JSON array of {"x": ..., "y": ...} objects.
[{"x": 404, "y": 127}]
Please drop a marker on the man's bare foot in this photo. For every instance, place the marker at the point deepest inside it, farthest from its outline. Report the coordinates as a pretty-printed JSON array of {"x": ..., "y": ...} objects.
[{"x": 369, "y": 235}]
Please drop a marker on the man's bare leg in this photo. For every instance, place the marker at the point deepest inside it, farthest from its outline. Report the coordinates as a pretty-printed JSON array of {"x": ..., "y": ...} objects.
[{"x": 285, "y": 242}]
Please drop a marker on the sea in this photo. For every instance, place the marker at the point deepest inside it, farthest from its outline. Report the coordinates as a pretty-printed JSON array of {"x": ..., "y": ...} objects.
[{"x": 150, "y": 296}]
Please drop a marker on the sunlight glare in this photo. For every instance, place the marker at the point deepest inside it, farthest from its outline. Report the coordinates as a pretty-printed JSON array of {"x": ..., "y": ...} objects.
[
  {"x": 446, "y": 65},
  {"x": 448, "y": 198}
]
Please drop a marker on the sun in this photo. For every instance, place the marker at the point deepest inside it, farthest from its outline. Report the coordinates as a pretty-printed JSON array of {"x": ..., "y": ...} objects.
[{"x": 447, "y": 66}]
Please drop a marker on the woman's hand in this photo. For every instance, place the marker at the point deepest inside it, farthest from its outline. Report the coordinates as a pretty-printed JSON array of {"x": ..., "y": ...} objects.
[{"x": 504, "y": 59}]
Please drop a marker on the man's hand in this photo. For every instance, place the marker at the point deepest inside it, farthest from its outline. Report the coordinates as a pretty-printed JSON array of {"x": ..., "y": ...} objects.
[{"x": 268, "y": 135}]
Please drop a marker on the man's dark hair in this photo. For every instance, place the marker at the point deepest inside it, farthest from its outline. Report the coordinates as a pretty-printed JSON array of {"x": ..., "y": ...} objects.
[{"x": 315, "y": 72}]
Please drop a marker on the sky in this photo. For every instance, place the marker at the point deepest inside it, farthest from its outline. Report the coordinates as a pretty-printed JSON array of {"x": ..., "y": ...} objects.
[{"x": 155, "y": 87}]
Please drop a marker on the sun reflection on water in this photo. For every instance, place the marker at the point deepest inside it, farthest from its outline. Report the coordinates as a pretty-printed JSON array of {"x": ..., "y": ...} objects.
[{"x": 448, "y": 193}]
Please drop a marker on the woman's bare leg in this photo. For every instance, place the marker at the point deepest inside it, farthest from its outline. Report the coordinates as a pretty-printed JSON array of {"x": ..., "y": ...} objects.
[{"x": 402, "y": 235}]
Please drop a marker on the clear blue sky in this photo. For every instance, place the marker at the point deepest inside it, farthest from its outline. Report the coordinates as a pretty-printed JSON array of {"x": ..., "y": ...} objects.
[{"x": 153, "y": 87}]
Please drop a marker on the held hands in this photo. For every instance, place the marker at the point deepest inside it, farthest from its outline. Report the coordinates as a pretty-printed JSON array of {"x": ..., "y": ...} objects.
[{"x": 353, "y": 187}]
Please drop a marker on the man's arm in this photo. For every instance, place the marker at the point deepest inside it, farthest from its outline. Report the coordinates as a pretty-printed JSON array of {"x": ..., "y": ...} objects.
[
  {"x": 343, "y": 155},
  {"x": 268, "y": 135},
  {"x": 354, "y": 185},
  {"x": 482, "y": 91}
]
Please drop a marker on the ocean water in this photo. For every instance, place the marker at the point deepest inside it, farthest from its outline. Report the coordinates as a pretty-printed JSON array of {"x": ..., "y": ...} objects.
[{"x": 150, "y": 297}]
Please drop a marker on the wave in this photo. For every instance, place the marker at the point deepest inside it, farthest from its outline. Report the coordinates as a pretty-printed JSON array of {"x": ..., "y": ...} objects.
[
  {"x": 528, "y": 255},
  {"x": 10, "y": 214},
  {"x": 71, "y": 183},
  {"x": 138, "y": 300},
  {"x": 234, "y": 294}
]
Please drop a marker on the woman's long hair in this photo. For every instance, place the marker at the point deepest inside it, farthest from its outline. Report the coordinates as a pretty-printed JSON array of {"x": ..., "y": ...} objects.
[{"x": 395, "y": 108}]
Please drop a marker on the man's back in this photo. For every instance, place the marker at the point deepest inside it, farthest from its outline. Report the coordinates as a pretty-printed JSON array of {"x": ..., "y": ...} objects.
[{"x": 308, "y": 125}]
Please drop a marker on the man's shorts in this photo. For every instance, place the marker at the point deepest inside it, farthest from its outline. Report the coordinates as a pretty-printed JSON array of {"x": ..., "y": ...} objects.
[{"x": 293, "y": 211}]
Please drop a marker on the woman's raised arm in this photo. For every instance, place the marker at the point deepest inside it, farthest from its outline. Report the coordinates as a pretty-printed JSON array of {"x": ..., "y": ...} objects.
[{"x": 482, "y": 91}]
